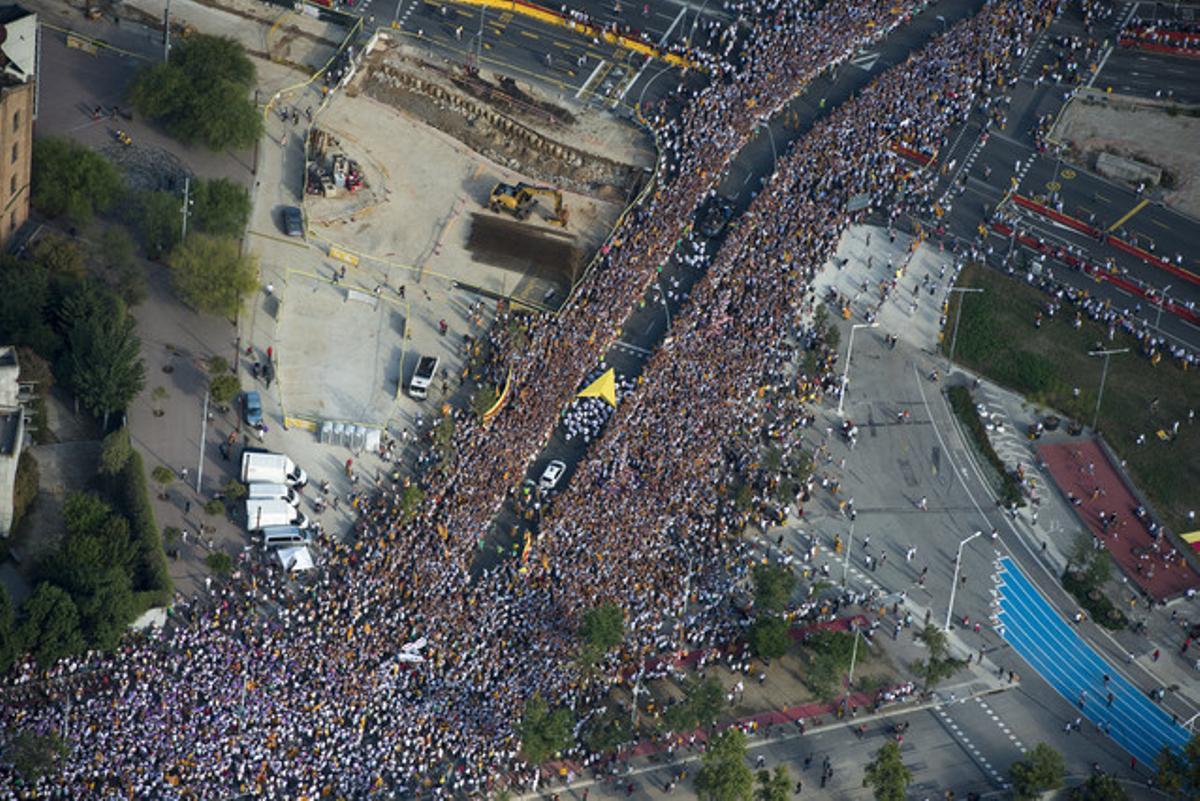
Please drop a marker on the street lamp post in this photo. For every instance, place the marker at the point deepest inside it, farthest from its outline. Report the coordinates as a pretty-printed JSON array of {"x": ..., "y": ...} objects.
[
  {"x": 963, "y": 290},
  {"x": 1103, "y": 376},
  {"x": 954, "y": 584},
  {"x": 1162, "y": 301},
  {"x": 846, "y": 369}
]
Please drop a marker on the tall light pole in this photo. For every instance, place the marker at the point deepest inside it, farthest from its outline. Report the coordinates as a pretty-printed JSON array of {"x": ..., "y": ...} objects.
[
  {"x": 187, "y": 204},
  {"x": 167, "y": 32},
  {"x": 954, "y": 584},
  {"x": 962, "y": 290},
  {"x": 846, "y": 370},
  {"x": 853, "y": 658},
  {"x": 479, "y": 44},
  {"x": 1162, "y": 301},
  {"x": 1103, "y": 376}
]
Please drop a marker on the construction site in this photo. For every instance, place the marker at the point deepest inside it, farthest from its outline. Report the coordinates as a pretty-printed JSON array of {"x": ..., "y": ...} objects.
[{"x": 439, "y": 170}]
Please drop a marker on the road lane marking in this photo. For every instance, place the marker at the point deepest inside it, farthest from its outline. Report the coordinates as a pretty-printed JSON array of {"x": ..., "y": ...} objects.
[
  {"x": 530, "y": 34},
  {"x": 1140, "y": 205},
  {"x": 661, "y": 43},
  {"x": 594, "y": 78}
]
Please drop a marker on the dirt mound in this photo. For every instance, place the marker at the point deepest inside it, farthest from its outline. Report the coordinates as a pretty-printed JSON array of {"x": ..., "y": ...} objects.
[{"x": 499, "y": 137}]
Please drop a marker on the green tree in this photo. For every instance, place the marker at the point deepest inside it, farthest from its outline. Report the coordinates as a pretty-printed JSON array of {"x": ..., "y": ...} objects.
[
  {"x": 1042, "y": 769},
  {"x": 50, "y": 629},
  {"x": 217, "y": 365},
  {"x": 724, "y": 775},
  {"x": 679, "y": 717},
  {"x": 219, "y": 562},
  {"x": 162, "y": 475},
  {"x": 221, "y": 207},
  {"x": 886, "y": 775},
  {"x": 769, "y": 637},
  {"x": 224, "y": 388},
  {"x": 24, "y": 299},
  {"x": 1179, "y": 772},
  {"x": 104, "y": 364},
  {"x": 483, "y": 399},
  {"x": 234, "y": 490},
  {"x": 773, "y": 586},
  {"x": 84, "y": 513},
  {"x": 938, "y": 666},
  {"x": 202, "y": 94},
  {"x": 107, "y": 608},
  {"x": 707, "y": 699},
  {"x": 35, "y": 755},
  {"x": 60, "y": 256},
  {"x": 1099, "y": 787},
  {"x": 158, "y": 219},
  {"x": 607, "y": 731},
  {"x": 128, "y": 279},
  {"x": 603, "y": 627},
  {"x": 775, "y": 786},
  {"x": 69, "y": 178},
  {"x": 544, "y": 732},
  {"x": 114, "y": 452},
  {"x": 212, "y": 275},
  {"x": 25, "y": 486},
  {"x": 10, "y": 646}
]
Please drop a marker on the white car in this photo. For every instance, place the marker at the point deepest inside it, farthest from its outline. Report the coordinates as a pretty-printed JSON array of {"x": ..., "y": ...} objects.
[{"x": 551, "y": 475}]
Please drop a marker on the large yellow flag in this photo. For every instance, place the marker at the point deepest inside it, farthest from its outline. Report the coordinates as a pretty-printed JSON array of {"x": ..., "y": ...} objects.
[{"x": 604, "y": 387}]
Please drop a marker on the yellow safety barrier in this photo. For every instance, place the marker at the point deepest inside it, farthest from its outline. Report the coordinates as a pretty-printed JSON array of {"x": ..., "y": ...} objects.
[
  {"x": 79, "y": 43},
  {"x": 551, "y": 17},
  {"x": 491, "y": 413},
  {"x": 300, "y": 422},
  {"x": 343, "y": 256}
]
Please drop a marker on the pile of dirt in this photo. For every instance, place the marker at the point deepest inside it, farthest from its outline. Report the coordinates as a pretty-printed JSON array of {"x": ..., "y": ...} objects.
[
  {"x": 496, "y": 135},
  {"x": 1152, "y": 132}
]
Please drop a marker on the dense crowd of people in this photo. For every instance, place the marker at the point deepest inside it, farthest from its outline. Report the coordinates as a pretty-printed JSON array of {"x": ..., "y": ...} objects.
[{"x": 398, "y": 670}]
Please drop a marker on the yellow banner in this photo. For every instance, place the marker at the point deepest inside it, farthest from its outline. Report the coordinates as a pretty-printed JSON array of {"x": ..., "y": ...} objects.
[
  {"x": 604, "y": 387},
  {"x": 343, "y": 256}
]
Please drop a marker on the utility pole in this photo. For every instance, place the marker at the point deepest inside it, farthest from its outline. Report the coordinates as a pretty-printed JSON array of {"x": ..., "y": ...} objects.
[
  {"x": 957, "y": 317},
  {"x": 187, "y": 202},
  {"x": 846, "y": 560},
  {"x": 167, "y": 32},
  {"x": 954, "y": 581},
  {"x": 1103, "y": 376},
  {"x": 1162, "y": 301}
]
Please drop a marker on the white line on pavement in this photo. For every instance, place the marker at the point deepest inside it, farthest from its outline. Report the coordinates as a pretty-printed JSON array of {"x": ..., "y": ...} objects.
[
  {"x": 661, "y": 43},
  {"x": 591, "y": 78}
]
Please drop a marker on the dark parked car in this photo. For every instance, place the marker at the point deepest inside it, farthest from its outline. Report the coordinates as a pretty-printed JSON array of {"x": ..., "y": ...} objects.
[
  {"x": 252, "y": 408},
  {"x": 714, "y": 216},
  {"x": 293, "y": 221}
]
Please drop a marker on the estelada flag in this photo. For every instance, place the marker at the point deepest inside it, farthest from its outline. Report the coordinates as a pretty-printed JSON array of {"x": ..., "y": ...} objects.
[{"x": 604, "y": 387}]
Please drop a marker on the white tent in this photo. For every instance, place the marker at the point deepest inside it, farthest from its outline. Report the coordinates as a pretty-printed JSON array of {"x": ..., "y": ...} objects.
[{"x": 295, "y": 558}]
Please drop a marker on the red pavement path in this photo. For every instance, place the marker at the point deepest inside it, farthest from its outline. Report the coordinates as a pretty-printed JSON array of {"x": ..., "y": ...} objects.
[
  {"x": 1068, "y": 466},
  {"x": 814, "y": 711}
]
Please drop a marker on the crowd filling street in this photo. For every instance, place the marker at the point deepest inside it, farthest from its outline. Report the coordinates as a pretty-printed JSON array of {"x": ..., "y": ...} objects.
[{"x": 398, "y": 669}]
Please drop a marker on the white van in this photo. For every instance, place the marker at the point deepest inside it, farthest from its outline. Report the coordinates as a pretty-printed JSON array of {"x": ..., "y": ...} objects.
[
  {"x": 283, "y": 536},
  {"x": 262, "y": 491},
  {"x": 271, "y": 468},
  {"x": 260, "y": 514}
]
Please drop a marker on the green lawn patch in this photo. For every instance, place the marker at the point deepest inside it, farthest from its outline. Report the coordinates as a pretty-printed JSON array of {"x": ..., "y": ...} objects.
[
  {"x": 1004, "y": 482},
  {"x": 997, "y": 338}
]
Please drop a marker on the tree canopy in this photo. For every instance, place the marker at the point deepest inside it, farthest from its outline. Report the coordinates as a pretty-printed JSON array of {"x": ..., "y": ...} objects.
[
  {"x": 724, "y": 775},
  {"x": 773, "y": 585},
  {"x": 103, "y": 365},
  {"x": 70, "y": 179},
  {"x": 887, "y": 775},
  {"x": 603, "y": 627},
  {"x": 1099, "y": 787},
  {"x": 202, "y": 94},
  {"x": 212, "y": 275},
  {"x": 220, "y": 207},
  {"x": 769, "y": 637},
  {"x": 1042, "y": 769},
  {"x": 774, "y": 786},
  {"x": 1179, "y": 773},
  {"x": 51, "y": 624},
  {"x": 939, "y": 665},
  {"x": 544, "y": 732}
]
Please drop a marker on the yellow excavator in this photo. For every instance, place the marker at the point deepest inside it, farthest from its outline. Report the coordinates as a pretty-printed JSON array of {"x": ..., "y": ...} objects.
[{"x": 519, "y": 201}]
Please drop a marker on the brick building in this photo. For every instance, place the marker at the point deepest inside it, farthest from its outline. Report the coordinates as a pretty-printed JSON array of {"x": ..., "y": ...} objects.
[{"x": 18, "y": 75}]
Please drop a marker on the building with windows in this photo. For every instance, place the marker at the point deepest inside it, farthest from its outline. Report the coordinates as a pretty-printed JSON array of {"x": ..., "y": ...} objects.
[{"x": 18, "y": 105}]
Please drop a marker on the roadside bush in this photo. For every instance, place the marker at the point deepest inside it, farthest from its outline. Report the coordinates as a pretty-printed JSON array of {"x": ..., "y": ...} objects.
[
  {"x": 151, "y": 581},
  {"x": 219, "y": 562},
  {"x": 214, "y": 507},
  {"x": 211, "y": 274},
  {"x": 114, "y": 452},
  {"x": 222, "y": 208},
  {"x": 964, "y": 409}
]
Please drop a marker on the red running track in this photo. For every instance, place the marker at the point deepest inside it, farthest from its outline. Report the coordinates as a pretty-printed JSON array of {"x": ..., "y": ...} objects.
[{"x": 1080, "y": 469}]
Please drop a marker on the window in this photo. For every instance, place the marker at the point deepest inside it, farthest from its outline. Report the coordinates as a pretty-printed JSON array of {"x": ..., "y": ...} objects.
[
  {"x": 16, "y": 121},
  {"x": 12, "y": 222},
  {"x": 12, "y": 185},
  {"x": 14, "y": 153}
]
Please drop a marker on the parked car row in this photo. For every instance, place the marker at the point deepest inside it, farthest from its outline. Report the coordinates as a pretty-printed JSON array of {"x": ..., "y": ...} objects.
[{"x": 273, "y": 483}]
